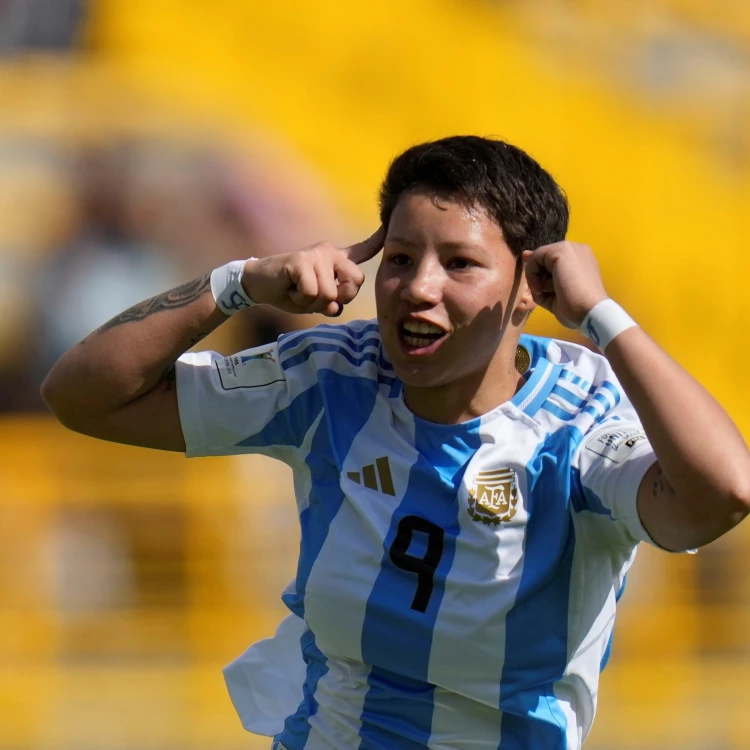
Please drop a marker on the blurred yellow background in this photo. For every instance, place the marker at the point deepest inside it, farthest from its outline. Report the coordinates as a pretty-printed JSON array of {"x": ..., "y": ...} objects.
[{"x": 144, "y": 142}]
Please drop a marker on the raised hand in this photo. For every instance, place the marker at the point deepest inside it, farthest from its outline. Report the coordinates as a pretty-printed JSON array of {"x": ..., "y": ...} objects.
[
  {"x": 321, "y": 278},
  {"x": 564, "y": 278}
]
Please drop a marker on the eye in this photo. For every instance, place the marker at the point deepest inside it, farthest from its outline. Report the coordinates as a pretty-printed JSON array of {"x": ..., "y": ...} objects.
[
  {"x": 460, "y": 264},
  {"x": 399, "y": 259}
]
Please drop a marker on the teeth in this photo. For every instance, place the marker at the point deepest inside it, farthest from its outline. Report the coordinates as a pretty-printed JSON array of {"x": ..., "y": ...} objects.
[
  {"x": 420, "y": 327},
  {"x": 417, "y": 341}
]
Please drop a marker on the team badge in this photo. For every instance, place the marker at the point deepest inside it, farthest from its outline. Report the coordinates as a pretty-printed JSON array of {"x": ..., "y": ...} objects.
[{"x": 494, "y": 496}]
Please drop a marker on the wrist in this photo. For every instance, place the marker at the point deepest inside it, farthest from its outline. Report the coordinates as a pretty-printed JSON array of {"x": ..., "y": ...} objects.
[
  {"x": 604, "y": 322},
  {"x": 228, "y": 291}
]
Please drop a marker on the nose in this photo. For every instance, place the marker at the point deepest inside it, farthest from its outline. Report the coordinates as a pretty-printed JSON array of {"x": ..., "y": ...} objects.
[{"x": 425, "y": 283}]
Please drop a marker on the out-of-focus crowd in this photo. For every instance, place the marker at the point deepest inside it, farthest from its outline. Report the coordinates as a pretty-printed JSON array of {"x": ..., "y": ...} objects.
[
  {"x": 86, "y": 231},
  {"x": 101, "y": 207}
]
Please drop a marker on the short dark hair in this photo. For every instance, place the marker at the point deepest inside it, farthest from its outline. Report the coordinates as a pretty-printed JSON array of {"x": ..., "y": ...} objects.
[{"x": 523, "y": 198}]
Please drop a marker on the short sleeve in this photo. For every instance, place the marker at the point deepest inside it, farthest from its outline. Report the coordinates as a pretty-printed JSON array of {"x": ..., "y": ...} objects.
[
  {"x": 608, "y": 467},
  {"x": 244, "y": 403}
]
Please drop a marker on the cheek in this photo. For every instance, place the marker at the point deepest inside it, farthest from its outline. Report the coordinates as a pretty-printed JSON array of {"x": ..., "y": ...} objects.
[
  {"x": 385, "y": 290},
  {"x": 478, "y": 314}
]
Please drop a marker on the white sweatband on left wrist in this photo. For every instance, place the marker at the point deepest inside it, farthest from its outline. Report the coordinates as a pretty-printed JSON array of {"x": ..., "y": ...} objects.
[
  {"x": 605, "y": 320},
  {"x": 227, "y": 289}
]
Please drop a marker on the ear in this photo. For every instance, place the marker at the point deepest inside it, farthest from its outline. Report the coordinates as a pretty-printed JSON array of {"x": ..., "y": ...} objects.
[{"x": 524, "y": 301}]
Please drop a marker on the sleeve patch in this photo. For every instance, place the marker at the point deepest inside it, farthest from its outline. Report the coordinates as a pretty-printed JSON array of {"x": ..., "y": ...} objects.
[
  {"x": 616, "y": 445},
  {"x": 254, "y": 368}
]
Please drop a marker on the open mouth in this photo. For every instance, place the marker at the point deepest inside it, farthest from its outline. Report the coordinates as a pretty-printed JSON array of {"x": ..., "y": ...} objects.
[{"x": 420, "y": 338}]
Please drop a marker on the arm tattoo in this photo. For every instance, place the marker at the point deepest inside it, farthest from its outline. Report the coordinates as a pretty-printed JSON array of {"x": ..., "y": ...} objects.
[
  {"x": 169, "y": 377},
  {"x": 660, "y": 483},
  {"x": 171, "y": 300}
]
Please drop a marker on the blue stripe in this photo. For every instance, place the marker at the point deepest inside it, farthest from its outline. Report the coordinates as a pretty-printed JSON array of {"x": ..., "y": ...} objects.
[
  {"x": 571, "y": 377},
  {"x": 297, "y": 726},
  {"x": 544, "y": 391},
  {"x": 397, "y": 712},
  {"x": 383, "y": 362},
  {"x": 555, "y": 410},
  {"x": 608, "y": 650},
  {"x": 289, "y": 426},
  {"x": 397, "y": 639},
  {"x": 592, "y": 411},
  {"x": 589, "y": 406},
  {"x": 534, "y": 376},
  {"x": 541, "y": 727},
  {"x": 357, "y": 333},
  {"x": 293, "y": 338},
  {"x": 536, "y": 640},
  {"x": 328, "y": 450},
  {"x": 566, "y": 395},
  {"x": 303, "y": 356},
  {"x": 537, "y": 346},
  {"x": 322, "y": 337},
  {"x": 583, "y": 498},
  {"x": 603, "y": 400},
  {"x": 613, "y": 389}
]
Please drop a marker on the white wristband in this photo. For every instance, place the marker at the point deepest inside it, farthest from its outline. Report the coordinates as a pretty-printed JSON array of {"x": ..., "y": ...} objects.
[
  {"x": 605, "y": 320},
  {"x": 226, "y": 286}
]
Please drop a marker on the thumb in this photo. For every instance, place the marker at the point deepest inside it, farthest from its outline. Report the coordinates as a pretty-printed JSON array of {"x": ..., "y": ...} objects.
[{"x": 369, "y": 248}]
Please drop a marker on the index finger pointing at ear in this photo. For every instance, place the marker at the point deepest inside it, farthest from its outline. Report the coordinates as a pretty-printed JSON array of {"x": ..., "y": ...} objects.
[
  {"x": 530, "y": 263},
  {"x": 369, "y": 248}
]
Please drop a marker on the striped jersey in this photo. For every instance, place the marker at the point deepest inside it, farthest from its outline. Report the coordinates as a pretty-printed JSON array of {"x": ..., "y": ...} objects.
[{"x": 456, "y": 584}]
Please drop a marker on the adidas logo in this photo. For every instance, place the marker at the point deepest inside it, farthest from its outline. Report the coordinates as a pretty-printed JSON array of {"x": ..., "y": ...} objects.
[{"x": 370, "y": 474}]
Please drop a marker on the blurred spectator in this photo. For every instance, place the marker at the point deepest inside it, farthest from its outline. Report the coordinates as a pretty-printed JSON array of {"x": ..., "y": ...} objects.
[
  {"x": 107, "y": 265},
  {"x": 107, "y": 223}
]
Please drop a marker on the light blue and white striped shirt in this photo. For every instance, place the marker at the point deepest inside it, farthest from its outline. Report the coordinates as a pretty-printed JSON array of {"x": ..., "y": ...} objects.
[{"x": 456, "y": 585}]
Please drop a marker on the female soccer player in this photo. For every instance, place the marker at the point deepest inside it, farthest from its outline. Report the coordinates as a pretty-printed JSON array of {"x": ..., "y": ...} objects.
[{"x": 470, "y": 498}]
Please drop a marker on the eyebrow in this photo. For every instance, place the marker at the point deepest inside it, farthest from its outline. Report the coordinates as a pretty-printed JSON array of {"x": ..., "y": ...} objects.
[
  {"x": 400, "y": 240},
  {"x": 450, "y": 246}
]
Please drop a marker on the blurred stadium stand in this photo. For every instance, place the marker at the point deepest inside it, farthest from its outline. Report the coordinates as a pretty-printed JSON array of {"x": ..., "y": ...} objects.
[
  {"x": 40, "y": 25},
  {"x": 128, "y": 578}
]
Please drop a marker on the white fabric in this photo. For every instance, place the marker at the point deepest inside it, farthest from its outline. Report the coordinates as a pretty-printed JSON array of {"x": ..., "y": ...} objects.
[
  {"x": 522, "y": 600},
  {"x": 265, "y": 682}
]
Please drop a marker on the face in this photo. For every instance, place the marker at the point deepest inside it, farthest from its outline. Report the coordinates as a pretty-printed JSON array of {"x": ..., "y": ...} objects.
[{"x": 448, "y": 292}]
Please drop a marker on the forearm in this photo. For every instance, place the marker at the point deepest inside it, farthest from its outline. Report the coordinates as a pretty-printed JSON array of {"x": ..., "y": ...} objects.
[
  {"x": 699, "y": 449},
  {"x": 129, "y": 354}
]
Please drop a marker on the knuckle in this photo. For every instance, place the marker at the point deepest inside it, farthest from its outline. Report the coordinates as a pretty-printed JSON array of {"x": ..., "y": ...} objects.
[
  {"x": 305, "y": 290},
  {"x": 308, "y": 256}
]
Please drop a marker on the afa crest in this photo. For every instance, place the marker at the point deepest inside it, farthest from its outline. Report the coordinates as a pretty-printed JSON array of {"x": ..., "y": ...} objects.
[{"x": 493, "y": 497}]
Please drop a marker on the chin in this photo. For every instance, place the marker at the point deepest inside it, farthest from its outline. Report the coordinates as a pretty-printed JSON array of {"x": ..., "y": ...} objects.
[{"x": 417, "y": 376}]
